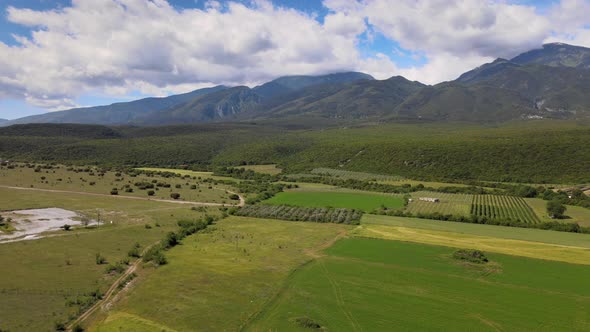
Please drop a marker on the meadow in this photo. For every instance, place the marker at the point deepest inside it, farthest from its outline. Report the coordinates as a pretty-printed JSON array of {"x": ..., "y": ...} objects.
[
  {"x": 216, "y": 280},
  {"x": 575, "y": 214},
  {"x": 271, "y": 169},
  {"x": 96, "y": 181},
  {"x": 374, "y": 285},
  {"x": 352, "y": 200},
  {"x": 50, "y": 276}
]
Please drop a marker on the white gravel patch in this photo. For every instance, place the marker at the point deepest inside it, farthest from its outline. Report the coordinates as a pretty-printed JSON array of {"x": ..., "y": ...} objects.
[{"x": 30, "y": 224}]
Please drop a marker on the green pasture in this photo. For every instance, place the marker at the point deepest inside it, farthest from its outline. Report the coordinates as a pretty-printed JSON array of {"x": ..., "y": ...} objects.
[
  {"x": 216, "y": 280},
  {"x": 378, "y": 285},
  {"x": 271, "y": 169},
  {"x": 455, "y": 204},
  {"x": 352, "y": 200},
  {"x": 575, "y": 214}
]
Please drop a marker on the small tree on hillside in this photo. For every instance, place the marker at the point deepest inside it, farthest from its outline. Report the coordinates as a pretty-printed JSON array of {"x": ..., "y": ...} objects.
[
  {"x": 175, "y": 195},
  {"x": 555, "y": 209}
]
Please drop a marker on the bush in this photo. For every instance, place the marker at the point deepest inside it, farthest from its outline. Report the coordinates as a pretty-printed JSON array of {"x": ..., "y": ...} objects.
[
  {"x": 134, "y": 252},
  {"x": 470, "y": 255},
  {"x": 114, "y": 192},
  {"x": 66, "y": 227},
  {"x": 151, "y": 193},
  {"x": 234, "y": 197},
  {"x": 100, "y": 259},
  {"x": 175, "y": 195}
]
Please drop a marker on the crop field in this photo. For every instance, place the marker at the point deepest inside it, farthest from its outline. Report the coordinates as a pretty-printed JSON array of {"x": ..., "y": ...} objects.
[
  {"x": 371, "y": 285},
  {"x": 492, "y": 231},
  {"x": 299, "y": 213},
  {"x": 271, "y": 169},
  {"x": 95, "y": 181},
  {"x": 218, "y": 279},
  {"x": 456, "y": 204},
  {"x": 343, "y": 174},
  {"x": 503, "y": 208},
  {"x": 51, "y": 278},
  {"x": 352, "y": 200},
  {"x": 575, "y": 214}
]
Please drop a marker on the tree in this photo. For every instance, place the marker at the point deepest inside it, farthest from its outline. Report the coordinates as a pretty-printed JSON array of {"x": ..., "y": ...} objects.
[
  {"x": 175, "y": 195},
  {"x": 115, "y": 191},
  {"x": 151, "y": 193},
  {"x": 66, "y": 227},
  {"x": 555, "y": 209}
]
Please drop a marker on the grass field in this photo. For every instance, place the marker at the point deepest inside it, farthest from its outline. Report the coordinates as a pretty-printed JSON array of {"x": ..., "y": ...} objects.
[
  {"x": 345, "y": 175},
  {"x": 217, "y": 279},
  {"x": 203, "y": 175},
  {"x": 455, "y": 204},
  {"x": 575, "y": 214},
  {"x": 271, "y": 169},
  {"x": 374, "y": 285},
  {"x": 353, "y": 200},
  {"x": 502, "y": 232},
  {"x": 60, "y": 178},
  {"x": 46, "y": 273},
  {"x": 503, "y": 208}
]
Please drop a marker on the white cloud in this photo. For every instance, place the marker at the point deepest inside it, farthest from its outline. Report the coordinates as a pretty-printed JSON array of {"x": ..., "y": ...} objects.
[
  {"x": 130, "y": 45},
  {"x": 119, "y": 46}
]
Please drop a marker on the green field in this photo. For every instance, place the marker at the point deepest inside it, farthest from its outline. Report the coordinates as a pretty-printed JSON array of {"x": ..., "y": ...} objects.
[
  {"x": 455, "y": 204},
  {"x": 47, "y": 273},
  {"x": 374, "y": 285},
  {"x": 352, "y": 200},
  {"x": 503, "y": 208},
  {"x": 345, "y": 175},
  {"x": 575, "y": 214},
  {"x": 218, "y": 279},
  {"x": 501, "y": 232},
  {"x": 271, "y": 169}
]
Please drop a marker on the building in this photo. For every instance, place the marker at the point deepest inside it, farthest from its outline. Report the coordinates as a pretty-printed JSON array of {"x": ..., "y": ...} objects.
[{"x": 429, "y": 199}]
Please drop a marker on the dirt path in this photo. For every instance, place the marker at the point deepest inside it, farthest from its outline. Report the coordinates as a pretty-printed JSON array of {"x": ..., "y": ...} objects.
[
  {"x": 242, "y": 201},
  {"x": 111, "y": 291},
  {"x": 317, "y": 252}
]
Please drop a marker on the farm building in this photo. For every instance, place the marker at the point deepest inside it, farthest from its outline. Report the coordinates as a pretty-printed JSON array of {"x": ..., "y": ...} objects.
[{"x": 429, "y": 199}]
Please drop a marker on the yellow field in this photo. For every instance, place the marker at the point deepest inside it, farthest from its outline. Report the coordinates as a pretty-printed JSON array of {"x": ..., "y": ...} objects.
[
  {"x": 570, "y": 254},
  {"x": 266, "y": 169}
]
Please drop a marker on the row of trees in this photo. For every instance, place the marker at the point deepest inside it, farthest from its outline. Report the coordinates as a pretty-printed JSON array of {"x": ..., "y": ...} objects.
[{"x": 297, "y": 213}]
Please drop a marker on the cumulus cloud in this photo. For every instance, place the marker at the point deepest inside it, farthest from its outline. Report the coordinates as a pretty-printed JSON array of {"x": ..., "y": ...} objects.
[
  {"x": 119, "y": 46},
  {"x": 128, "y": 45}
]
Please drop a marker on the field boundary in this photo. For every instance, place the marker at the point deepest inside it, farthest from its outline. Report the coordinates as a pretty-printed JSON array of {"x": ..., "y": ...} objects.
[{"x": 242, "y": 200}]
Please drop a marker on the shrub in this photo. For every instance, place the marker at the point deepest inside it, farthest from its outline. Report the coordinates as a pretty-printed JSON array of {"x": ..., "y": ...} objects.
[
  {"x": 114, "y": 192},
  {"x": 151, "y": 193},
  {"x": 66, "y": 227},
  {"x": 100, "y": 259},
  {"x": 175, "y": 195},
  {"x": 470, "y": 255}
]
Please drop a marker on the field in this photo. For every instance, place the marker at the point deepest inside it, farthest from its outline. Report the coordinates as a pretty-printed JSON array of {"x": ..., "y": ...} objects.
[
  {"x": 183, "y": 172},
  {"x": 503, "y": 208},
  {"x": 47, "y": 274},
  {"x": 500, "y": 232},
  {"x": 455, "y": 204},
  {"x": 92, "y": 180},
  {"x": 352, "y": 200},
  {"x": 372, "y": 285},
  {"x": 271, "y": 169},
  {"x": 217, "y": 279},
  {"x": 575, "y": 214},
  {"x": 345, "y": 175}
]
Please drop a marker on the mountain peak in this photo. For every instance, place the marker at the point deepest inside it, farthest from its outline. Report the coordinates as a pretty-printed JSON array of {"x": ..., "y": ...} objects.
[{"x": 556, "y": 55}]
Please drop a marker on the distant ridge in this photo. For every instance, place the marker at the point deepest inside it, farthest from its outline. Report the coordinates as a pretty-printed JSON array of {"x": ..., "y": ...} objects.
[{"x": 550, "y": 82}]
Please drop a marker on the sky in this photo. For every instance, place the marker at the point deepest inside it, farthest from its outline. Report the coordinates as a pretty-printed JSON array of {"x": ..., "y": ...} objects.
[{"x": 63, "y": 54}]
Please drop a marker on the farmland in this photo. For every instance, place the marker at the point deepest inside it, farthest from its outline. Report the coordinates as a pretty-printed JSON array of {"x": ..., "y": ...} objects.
[
  {"x": 456, "y": 204},
  {"x": 575, "y": 214},
  {"x": 353, "y": 200},
  {"x": 344, "y": 174},
  {"x": 297, "y": 213},
  {"x": 218, "y": 279},
  {"x": 406, "y": 282},
  {"x": 504, "y": 208},
  {"x": 271, "y": 169}
]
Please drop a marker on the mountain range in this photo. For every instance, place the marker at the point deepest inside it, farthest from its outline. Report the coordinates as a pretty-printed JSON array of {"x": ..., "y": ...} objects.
[{"x": 551, "y": 82}]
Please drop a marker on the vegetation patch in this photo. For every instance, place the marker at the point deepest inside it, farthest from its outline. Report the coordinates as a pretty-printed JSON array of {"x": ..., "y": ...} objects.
[
  {"x": 471, "y": 256},
  {"x": 294, "y": 213},
  {"x": 307, "y": 323},
  {"x": 351, "y": 200}
]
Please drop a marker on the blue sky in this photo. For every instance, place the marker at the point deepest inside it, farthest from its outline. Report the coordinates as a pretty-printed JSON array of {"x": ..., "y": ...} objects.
[{"x": 249, "y": 42}]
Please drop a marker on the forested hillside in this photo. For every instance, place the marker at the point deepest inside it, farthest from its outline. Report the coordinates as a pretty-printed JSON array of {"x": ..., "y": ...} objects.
[{"x": 540, "y": 151}]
